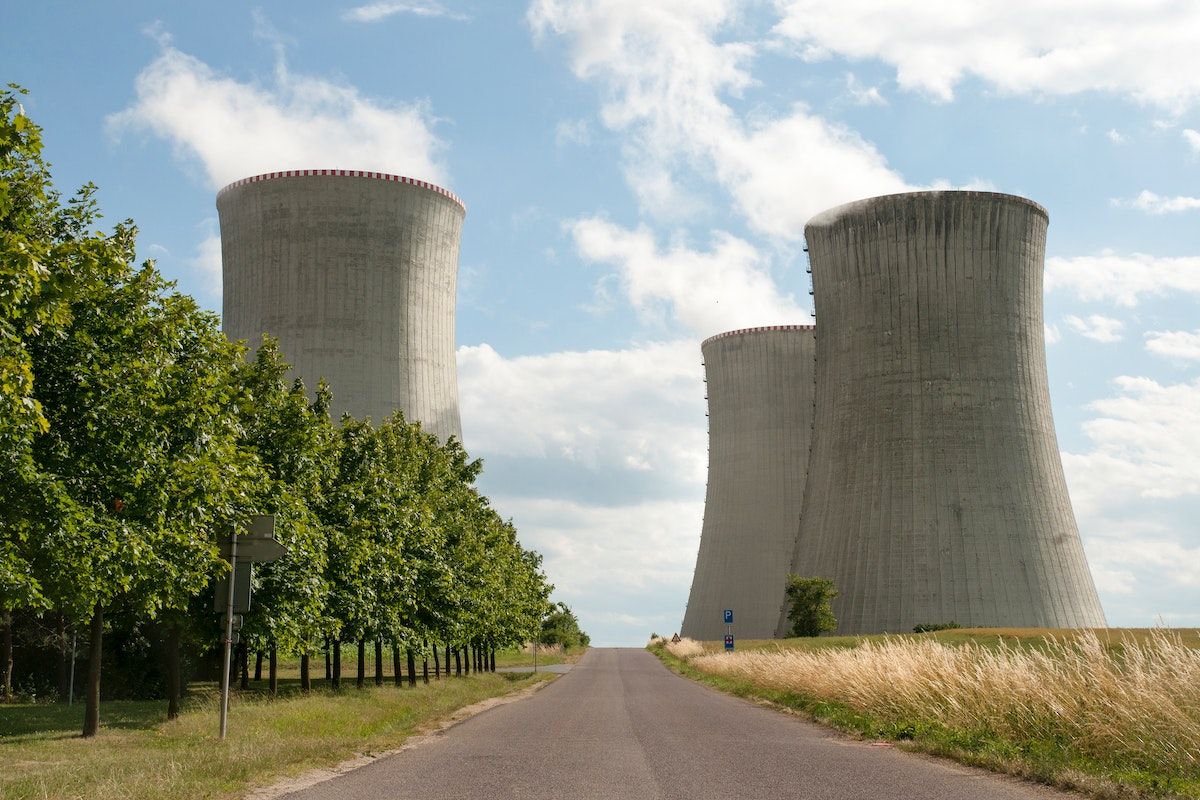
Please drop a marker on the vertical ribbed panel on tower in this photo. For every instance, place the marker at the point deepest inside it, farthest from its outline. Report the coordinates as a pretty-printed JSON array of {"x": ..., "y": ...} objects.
[
  {"x": 760, "y": 394},
  {"x": 355, "y": 274},
  {"x": 935, "y": 490}
]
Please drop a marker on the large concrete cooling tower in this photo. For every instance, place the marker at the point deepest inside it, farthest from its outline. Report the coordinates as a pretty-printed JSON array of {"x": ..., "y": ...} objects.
[
  {"x": 760, "y": 394},
  {"x": 936, "y": 490},
  {"x": 355, "y": 273}
]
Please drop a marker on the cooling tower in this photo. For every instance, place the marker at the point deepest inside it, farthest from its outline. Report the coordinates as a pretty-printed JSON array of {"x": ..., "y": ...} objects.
[
  {"x": 936, "y": 491},
  {"x": 760, "y": 391},
  {"x": 355, "y": 273}
]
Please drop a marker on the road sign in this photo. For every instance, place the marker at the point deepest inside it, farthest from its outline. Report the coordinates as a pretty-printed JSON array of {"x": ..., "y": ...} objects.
[
  {"x": 257, "y": 545},
  {"x": 729, "y": 616},
  {"x": 251, "y": 550},
  {"x": 241, "y": 591},
  {"x": 729, "y": 642}
]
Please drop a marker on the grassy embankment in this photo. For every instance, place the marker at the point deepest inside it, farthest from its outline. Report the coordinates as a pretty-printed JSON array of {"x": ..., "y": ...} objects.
[
  {"x": 1114, "y": 713},
  {"x": 138, "y": 754}
]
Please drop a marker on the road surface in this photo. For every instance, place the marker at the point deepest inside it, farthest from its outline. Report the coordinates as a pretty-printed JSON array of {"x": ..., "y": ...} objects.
[{"x": 620, "y": 725}]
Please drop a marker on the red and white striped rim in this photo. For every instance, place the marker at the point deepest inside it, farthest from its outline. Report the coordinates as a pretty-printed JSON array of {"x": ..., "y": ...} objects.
[
  {"x": 346, "y": 173},
  {"x": 763, "y": 329}
]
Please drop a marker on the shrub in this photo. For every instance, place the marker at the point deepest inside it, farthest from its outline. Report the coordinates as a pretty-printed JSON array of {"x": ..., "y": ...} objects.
[
  {"x": 809, "y": 608},
  {"x": 930, "y": 627}
]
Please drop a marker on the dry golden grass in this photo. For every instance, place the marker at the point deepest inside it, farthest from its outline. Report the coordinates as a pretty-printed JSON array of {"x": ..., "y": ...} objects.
[
  {"x": 685, "y": 648},
  {"x": 1132, "y": 706}
]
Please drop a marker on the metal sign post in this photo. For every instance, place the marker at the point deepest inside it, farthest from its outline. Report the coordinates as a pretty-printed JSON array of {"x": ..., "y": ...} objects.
[
  {"x": 233, "y": 537},
  {"x": 258, "y": 545},
  {"x": 729, "y": 629}
]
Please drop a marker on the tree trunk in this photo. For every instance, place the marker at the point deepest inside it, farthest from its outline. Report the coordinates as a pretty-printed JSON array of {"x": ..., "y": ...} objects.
[
  {"x": 174, "y": 678},
  {"x": 258, "y": 659},
  {"x": 397, "y": 675},
  {"x": 457, "y": 663},
  {"x": 412, "y": 668},
  {"x": 437, "y": 663},
  {"x": 6, "y": 658},
  {"x": 379, "y": 662},
  {"x": 336, "y": 675},
  {"x": 273, "y": 669},
  {"x": 466, "y": 651},
  {"x": 91, "y": 713},
  {"x": 328, "y": 669},
  {"x": 305, "y": 677},
  {"x": 244, "y": 663},
  {"x": 361, "y": 677},
  {"x": 425, "y": 663}
]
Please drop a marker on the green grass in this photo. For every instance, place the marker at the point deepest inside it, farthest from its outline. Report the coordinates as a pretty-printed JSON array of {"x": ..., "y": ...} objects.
[
  {"x": 139, "y": 755},
  {"x": 1048, "y": 757}
]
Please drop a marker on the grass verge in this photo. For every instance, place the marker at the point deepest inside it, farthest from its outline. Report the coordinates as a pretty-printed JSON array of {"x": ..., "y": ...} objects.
[
  {"x": 1116, "y": 718},
  {"x": 140, "y": 756}
]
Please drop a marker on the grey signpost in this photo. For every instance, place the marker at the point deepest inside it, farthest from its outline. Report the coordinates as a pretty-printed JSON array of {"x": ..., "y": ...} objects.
[{"x": 257, "y": 545}]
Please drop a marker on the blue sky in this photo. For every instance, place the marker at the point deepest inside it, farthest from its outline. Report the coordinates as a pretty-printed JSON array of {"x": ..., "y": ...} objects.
[{"x": 637, "y": 175}]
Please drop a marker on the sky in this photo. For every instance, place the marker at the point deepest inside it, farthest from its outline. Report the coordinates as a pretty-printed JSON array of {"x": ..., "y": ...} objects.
[{"x": 637, "y": 175}]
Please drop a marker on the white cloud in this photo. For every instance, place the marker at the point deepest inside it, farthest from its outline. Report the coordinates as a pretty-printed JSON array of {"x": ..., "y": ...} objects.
[
  {"x": 1144, "y": 50},
  {"x": 611, "y": 549},
  {"x": 637, "y": 409},
  {"x": 237, "y": 129},
  {"x": 205, "y": 264},
  {"x": 374, "y": 12},
  {"x": 1123, "y": 280},
  {"x": 627, "y": 430},
  {"x": 1167, "y": 557},
  {"x": 1145, "y": 444},
  {"x": 572, "y": 131},
  {"x": 1179, "y": 345},
  {"x": 1096, "y": 327},
  {"x": 619, "y": 567},
  {"x": 717, "y": 290},
  {"x": 1192, "y": 138},
  {"x": 1115, "y": 136},
  {"x": 1053, "y": 334},
  {"x": 666, "y": 79},
  {"x": 862, "y": 95},
  {"x": 1152, "y": 203}
]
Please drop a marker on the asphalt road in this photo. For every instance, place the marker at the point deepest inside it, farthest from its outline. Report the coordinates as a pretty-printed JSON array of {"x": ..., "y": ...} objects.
[{"x": 620, "y": 725}]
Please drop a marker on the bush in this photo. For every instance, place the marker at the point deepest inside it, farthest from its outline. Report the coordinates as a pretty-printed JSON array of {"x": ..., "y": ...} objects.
[
  {"x": 935, "y": 626},
  {"x": 809, "y": 608}
]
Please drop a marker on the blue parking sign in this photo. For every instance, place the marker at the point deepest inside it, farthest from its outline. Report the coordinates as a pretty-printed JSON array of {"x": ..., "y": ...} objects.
[
  {"x": 729, "y": 642},
  {"x": 729, "y": 616}
]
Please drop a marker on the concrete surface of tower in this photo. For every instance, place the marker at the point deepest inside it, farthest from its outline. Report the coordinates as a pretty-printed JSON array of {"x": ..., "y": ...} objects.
[
  {"x": 936, "y": 490},
  {"x": 760, "y": 392},
  {"x": 355, "y": 273}
]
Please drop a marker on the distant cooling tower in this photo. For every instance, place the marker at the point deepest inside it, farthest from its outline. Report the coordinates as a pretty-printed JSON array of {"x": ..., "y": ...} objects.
[
  {"x": 355, "y": 273},
  {"x": 760, "y": 394},
  {"x": 935, "y": 489}
]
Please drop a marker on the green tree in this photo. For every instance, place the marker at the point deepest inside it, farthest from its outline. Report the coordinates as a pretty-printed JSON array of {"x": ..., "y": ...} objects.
[
  {"x": 291, "y": 439},
  {"x": 810, "y": 609},
  {"x": 47, "y": 255},
  {"x": 139, "y": 464},
  {"x": 561, "y": 627}
]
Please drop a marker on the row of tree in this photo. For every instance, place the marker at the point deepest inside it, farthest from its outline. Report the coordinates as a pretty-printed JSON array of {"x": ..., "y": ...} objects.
[{"x": 133, "y": 435}]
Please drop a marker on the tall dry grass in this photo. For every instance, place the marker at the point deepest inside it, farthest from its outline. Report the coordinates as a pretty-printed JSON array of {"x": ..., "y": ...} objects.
[
  {"x": 684, "y": 648},
  {"x": 1136, "y": 705}
]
